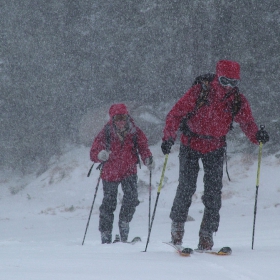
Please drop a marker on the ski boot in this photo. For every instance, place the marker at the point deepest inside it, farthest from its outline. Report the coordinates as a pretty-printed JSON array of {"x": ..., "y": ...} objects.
[
  {"x": 124, "y": 230},
  {"x": 177, "y": 233},
  {"x": 106, "y": 237}
]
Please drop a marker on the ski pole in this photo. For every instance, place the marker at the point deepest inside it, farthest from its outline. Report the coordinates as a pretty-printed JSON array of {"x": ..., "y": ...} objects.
[
  {"x": 150, "y": 194},
  {"x": 96, "y": 189},
  {"x": 257, "y": 189},
  {"x": 158, "y": 192}
]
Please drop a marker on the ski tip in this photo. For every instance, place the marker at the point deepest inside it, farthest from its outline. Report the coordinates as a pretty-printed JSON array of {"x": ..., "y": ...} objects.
[
  {"x": 184, "y": 254},
  {"x": 135, "y": 239},
  {"x": 187, "y": 251},
  {"x": 225, "y": 251}
]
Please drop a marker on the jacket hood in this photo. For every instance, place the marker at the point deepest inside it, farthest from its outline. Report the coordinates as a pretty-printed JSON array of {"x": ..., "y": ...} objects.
[
  {"x": 118, "y": 109},
  {"x": 121, "y": 109},
  {"x": 229, "y": 69}
]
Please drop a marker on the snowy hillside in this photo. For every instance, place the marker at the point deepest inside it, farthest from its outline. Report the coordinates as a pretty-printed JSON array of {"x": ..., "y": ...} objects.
[{"x": 43, "y": 221}]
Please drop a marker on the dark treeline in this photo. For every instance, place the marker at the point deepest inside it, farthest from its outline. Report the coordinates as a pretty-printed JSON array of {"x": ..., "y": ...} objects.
[{"x": 59, "y": 58}]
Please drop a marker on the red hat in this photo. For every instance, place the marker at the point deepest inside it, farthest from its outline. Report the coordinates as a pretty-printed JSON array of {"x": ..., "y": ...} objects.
[
  {"x": 229, "y": 69},
  {"x": 118, "y": 109}
]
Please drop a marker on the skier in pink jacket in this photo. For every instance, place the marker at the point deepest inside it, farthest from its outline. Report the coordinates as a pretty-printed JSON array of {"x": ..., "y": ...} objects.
[{"x": 119, "y": 146}]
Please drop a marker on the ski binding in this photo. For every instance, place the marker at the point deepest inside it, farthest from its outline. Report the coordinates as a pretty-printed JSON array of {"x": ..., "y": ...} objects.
[
  {"x": 182, "y": 251},
  {"x": 132, "y": 242}
]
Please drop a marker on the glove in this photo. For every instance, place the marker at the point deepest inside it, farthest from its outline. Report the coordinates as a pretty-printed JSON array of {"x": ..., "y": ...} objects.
[
  {"x": 103, "y": 155},
  {"x": 166, "y": 146},
  {"x": 149, "y": 162},
  {"x": 262, "y": 136}
]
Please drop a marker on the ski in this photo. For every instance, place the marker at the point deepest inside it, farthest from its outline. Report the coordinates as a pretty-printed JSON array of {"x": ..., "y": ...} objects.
[
  {"x": 132, "y": 242},
  {"x": 224, "y": 251},
  {"x": 182, "y": 251}
]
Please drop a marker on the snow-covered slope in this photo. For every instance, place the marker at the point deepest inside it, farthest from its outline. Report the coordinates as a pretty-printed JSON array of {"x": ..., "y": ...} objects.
[{"x": 43, "y": 220}]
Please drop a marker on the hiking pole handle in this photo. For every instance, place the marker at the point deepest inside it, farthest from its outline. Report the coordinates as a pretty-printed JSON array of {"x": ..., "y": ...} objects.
[
  {"x": 262, "y": 127},
  {"x": 89, "y": 172}
]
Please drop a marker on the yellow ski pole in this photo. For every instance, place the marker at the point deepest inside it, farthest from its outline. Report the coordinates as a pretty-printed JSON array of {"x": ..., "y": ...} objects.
[
  {"x": 158, "y": 192},
  {"x": 257, "y": 189},
  {"x": 150, "y": 194}
]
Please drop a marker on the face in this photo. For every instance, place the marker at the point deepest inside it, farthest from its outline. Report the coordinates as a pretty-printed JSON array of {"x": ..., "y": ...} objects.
[
  {"x": 228, "y": 83},
  {"x": 120, "y": 121}
]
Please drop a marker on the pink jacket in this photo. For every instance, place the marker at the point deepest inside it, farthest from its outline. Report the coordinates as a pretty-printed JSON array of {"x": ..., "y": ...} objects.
[{"x": 122, "y": 161}]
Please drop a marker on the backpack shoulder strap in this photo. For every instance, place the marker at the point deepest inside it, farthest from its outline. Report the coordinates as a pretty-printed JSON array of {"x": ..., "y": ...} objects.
[
  {"x": 205, "y": 78},
  {"x": 107, "y": 137},
  {"x": 236, "y": 106},
  {"x": 236, "y": 103},
  {"x": 204, "y": 81},
  {"x": 135, "y": 146}
]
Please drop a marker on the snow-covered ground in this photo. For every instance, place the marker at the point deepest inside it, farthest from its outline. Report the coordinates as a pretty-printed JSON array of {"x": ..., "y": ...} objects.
[{"x": 43, "y": 220}]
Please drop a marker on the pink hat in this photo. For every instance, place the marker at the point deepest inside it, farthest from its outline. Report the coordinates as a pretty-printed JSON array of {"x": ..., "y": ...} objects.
[
  {"x": 229, "y": 69},
  {"x": 118, "y": 109}
]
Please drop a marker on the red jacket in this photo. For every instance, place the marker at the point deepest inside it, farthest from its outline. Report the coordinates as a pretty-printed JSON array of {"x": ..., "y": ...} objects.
[
  {"x": 122, "y": 161},
  {"x": 213, "y": 119}
]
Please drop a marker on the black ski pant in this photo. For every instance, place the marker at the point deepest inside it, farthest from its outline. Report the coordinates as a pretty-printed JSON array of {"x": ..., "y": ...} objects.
[
  {"x": 109, "y": 202},
  {"x": 213, "y": 173}
]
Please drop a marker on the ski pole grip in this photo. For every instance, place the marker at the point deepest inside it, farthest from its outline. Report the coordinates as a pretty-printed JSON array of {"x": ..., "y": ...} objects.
[
  {"x": 89, "y": 172},
  {"x": 262, "y": 127}
]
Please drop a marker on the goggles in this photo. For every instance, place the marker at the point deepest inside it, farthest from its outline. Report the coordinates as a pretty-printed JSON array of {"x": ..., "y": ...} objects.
[
  {"x": 119, "y": 118},
  {"x": 226, "y": 82}
]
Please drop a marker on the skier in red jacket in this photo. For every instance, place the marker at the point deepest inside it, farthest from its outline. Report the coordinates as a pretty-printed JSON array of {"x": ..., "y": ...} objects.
[
  {"x": 118, "y": 146},
  {"x": 206, "y": 113}
]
